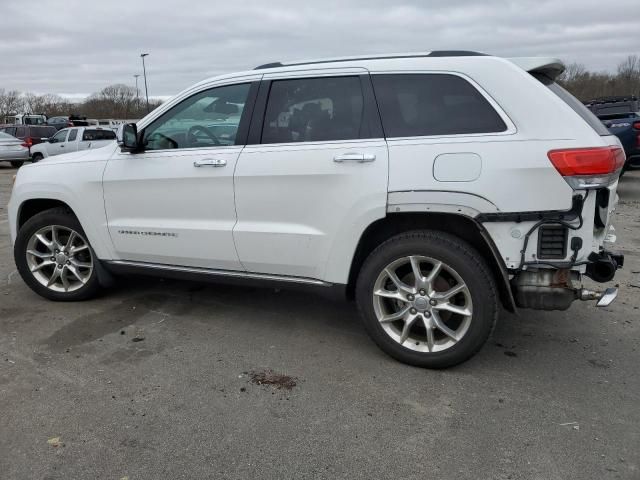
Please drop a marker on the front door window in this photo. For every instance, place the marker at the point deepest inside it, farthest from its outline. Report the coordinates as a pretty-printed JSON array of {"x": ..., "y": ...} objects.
[{"x": 207, "y": 119}]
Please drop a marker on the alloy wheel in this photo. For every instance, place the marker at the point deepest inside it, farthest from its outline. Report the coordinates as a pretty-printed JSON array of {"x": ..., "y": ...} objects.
[
  {"x": 59, "y": 258},
  {"x": 422, "y": 304}
]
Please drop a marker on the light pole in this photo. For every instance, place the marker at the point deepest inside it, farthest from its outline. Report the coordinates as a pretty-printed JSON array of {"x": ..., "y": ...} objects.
[
  {"x": 137, "y": 91},
  {"x": 144, "y": 71}
]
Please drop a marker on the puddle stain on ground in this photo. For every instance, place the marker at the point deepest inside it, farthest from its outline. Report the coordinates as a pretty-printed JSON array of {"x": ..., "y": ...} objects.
[
  {"x": 269, "y": 377},
  {"x": 90, "y": 327}
]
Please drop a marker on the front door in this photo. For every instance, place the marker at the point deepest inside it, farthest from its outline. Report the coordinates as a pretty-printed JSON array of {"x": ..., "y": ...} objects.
[
  {"x": 173, "y": 203},
  {"x": 57, "y": 144},
  {"x": 314, "y": 179}
]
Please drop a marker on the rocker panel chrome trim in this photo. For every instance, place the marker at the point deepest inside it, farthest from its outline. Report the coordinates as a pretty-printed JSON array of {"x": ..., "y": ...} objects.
[{"x": 219, "y": 273}]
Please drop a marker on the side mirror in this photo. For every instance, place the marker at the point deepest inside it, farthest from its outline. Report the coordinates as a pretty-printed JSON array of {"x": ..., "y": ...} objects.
[
  {"x": 127, "y": 137},
  {"x": 51, "y": 140}
]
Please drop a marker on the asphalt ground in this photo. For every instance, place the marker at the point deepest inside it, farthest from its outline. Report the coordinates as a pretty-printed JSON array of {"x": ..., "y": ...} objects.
[{"x": 166, "y": 380}]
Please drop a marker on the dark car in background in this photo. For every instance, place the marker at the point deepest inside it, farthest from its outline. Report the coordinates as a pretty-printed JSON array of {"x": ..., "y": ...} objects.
[
  {"x": 29, "y": 134},
  {"x": 64, "y": 121},
  {"x": 621, "y": 116}
]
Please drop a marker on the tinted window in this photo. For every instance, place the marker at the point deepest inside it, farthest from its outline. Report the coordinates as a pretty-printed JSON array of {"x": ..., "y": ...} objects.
[
  {"x": 21, "y": 132},
  {"x": 433, "y": 104},
  {"x": 575, "y": 104},
  {"x": 42, "y": 132},
  {"x": 11, "y": 131},
  {"x": 90, "y": 135},
  {"x": 313, "y": 109},
  {"x": 73, "y": 133},
  {"x": 207, "y": 119}
]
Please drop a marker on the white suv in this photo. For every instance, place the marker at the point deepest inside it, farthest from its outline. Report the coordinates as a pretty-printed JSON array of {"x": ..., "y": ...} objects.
[{"x": 431, "y": 187}]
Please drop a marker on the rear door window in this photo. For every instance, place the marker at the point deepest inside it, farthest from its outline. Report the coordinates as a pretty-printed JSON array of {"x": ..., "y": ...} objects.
[
  {"x": 21, "y": 132},
  {"x": 574, "y": 103},
  {"x": 414, "y": 105},
  {"x": 73, "y": 133},
  {"x": 314, "y": 110}
]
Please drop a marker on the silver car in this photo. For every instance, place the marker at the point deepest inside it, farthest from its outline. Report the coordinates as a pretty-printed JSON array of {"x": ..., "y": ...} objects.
[{"x": 12, "y": 150}]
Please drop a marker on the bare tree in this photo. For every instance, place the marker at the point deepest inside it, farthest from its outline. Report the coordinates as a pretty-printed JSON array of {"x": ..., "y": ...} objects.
[
  {"x": 10, "y": 102},
  {"x": 629, "y": 74}
]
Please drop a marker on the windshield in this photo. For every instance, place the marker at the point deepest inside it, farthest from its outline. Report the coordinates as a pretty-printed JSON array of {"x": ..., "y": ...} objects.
[
  {"x": 33, "y": 120},
  {"x": 574, "y": 103}
]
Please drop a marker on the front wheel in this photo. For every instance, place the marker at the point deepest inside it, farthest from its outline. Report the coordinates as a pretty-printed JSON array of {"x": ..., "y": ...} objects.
[
  {"x": 427, "y": 298},
  {"x": 36, "y": 157},
  {"x": 54, "y": 257}
]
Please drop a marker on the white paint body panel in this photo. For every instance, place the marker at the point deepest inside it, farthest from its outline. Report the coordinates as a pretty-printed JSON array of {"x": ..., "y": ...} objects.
[
  {"x": 302, "y": 214},
  {"x": 457, "y": 167},
  {"x": 162, "y": 209}
]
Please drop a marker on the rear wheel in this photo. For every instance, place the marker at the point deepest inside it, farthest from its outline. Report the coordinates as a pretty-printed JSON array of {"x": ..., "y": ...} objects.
[
  {"x": 54, "y": 257},
  {"x": 16, "y": 163},
  {"x": 36, "y": 157},
  {"x": 427, "y": 299}
]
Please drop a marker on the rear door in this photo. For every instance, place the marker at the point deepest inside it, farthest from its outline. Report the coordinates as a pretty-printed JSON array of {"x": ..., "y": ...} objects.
[
  {"x": 314, "y": 177},
  {"x": 71, "y": 143}
]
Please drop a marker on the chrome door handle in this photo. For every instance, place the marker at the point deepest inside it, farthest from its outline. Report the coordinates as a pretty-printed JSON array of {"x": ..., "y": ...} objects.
[
  {"x": 354, "y": 157},
  {"x": 210, "y": 162}
]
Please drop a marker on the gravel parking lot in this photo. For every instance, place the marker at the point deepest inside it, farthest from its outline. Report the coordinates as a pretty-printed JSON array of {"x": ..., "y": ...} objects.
[{"x": 166, "y": 379}]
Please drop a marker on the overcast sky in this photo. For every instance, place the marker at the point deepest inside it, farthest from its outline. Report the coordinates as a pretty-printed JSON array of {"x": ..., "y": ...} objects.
[{"x": 75, "y": 47}]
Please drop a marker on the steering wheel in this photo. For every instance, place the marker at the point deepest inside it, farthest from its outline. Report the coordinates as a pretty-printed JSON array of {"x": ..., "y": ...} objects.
[{"x": 193, "y": 140}]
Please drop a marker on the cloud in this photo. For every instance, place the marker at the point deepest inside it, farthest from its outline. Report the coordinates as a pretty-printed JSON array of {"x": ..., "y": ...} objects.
[{"x": 82, "y": 46}]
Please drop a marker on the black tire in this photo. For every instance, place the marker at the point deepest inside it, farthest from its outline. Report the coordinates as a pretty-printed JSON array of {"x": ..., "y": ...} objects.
[
  {"x": 462, "y": 258},
  {"x": 64, "y": 218},
  {"x": 16, "y": 163},
  {"x": 36, "y": 157}
]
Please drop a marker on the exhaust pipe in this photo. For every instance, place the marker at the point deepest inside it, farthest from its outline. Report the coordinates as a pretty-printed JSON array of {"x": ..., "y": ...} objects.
[
  {"x": 602, "y": 266},
  {"x": 605, "y": 298}
]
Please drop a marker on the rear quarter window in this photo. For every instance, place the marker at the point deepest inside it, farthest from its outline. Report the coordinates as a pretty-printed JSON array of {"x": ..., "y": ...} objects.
[
  {"x": 92, "y": 135},
  {"x": 575, "y": 104},
  {"x": 433, "y": 104}
]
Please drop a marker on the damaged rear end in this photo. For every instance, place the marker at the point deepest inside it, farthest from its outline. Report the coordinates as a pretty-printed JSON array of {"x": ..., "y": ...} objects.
[{"x": 560, "y": 248}]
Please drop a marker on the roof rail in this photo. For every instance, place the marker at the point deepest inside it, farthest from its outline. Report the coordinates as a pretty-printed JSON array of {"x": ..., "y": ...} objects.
[
  {"x": 435, "y": 53},
  {"x": 613, "y": 99}
]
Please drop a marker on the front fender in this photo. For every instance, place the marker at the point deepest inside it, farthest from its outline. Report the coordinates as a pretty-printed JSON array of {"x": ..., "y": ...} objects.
[{"x": 78, "y": 185}]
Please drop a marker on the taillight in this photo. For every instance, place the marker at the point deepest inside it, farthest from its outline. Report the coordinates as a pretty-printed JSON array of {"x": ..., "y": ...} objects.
[
  {"x": 28, "y": 142},
  {"x": 636, "y": 125},
  {"x": 70, "y": 124},
  {"x": 588, "y": 167}
]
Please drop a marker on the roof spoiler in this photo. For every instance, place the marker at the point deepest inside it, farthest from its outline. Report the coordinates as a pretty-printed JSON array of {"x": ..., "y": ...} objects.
[{"x": 551, "y": 67}]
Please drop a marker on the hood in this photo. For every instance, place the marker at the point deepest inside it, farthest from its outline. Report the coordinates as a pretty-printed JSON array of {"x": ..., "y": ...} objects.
[{"x": 92, "y": 155}]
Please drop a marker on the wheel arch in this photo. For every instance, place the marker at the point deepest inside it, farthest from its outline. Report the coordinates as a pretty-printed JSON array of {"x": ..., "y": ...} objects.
[
  {"x": 33, "y": 206},
  {"x": 462, "y": 226}
]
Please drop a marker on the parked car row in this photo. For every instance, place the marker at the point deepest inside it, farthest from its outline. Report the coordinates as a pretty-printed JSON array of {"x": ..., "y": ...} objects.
[
  {"x": 21, "y": 143},
  {"x": 27, "y": 136},
  {"x": 621, "y": 116},
  {"x": 72, "y": 140}
]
